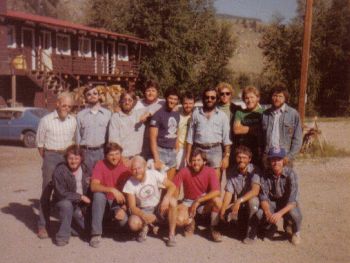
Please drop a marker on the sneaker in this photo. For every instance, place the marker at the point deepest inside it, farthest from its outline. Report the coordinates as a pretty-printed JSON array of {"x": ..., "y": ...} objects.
[
  {"x": 215, "y": 234},
  {"x": 288, "y": 229},
  {"x": 249, "y": 241},
  {"x": 95, "y": 241},
  {"x": 42, "y": 233},
  {"x": 61, "y": 243},
  {"x": 189, "y": 229},
  {"x": 296, "y": 239},
  {"x": 143, "y": 234},
  {"x": 270, "y": 232},
  {"x": 171, "y": 242}
]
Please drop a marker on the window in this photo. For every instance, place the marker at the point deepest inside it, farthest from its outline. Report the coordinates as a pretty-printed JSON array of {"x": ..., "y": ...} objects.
[
  {"x": 63, "y": 44},
  {"x": 11, "y": 37},
  {"x": 84, "y": 47},
  {"x": 123, "y": 52},
  {"x": 46, "y": 41},
  {"x": 6, "y": 115}
]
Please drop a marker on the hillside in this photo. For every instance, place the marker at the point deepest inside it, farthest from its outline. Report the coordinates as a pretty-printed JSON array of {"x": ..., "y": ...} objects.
[{"x": 248, "y": 57}]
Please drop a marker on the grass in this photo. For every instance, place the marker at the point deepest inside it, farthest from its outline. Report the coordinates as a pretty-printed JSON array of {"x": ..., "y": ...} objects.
[
  {"x": 328, "y": 151},
  {"x": 328, "y": 119}
]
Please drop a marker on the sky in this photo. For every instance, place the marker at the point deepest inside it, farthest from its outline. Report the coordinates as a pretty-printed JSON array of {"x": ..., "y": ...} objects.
[{"x": 262, "y": 9}]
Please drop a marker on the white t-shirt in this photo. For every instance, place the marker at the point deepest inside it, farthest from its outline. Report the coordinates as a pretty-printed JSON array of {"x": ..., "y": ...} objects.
[{"x": 148, "y": 192}]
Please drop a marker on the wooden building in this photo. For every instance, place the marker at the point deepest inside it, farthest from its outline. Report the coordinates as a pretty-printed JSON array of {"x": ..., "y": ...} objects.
[{"x": 42, "y": 56}]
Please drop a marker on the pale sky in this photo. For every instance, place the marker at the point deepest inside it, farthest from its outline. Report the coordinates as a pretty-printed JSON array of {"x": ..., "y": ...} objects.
[{"x": 263, "y": 9}]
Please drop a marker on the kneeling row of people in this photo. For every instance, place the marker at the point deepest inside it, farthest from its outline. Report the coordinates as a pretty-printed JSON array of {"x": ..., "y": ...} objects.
[{"x": 141, "y": 198}]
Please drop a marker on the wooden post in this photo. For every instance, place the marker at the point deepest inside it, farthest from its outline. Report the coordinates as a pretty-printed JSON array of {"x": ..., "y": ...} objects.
[
  {"x": 13, "y": 90},
  {"x": 305, "y": 59}
]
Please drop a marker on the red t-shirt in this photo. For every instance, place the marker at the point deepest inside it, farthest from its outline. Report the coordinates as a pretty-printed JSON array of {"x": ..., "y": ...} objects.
[
  {"x": 195, "y": 185},
  {"x": 111, "y": 177}
]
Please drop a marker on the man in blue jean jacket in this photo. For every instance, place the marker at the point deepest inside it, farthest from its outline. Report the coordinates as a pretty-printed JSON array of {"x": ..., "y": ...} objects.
[{"x": 281, "y": 125}]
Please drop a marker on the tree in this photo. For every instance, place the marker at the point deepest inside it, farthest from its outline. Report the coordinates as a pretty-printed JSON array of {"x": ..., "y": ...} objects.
[
  {"x": 328, "y": 78},
  {"x": 188, "y": 48}
]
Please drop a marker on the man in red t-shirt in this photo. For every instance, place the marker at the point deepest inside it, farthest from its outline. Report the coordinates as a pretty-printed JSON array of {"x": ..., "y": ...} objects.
[
  {"x": 201, "y": 194},
  {"x": 107, "y": 182}
]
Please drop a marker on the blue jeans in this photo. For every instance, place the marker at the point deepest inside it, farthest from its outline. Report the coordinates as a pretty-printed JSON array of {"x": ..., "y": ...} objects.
[
  {"x": 67, "y": 211},
  {"x": 293, "y": 217},
  {"x": 167, "y": 156},
  {"x": 99, "y": 204},
  {"x": 91, "y": 157},
  {"x": 50, "y": 161},
  {"x": 214, "y": 156}
]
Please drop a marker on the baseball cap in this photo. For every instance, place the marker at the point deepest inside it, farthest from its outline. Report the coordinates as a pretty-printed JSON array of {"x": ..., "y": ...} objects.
[{"x": 276, "y": 152}]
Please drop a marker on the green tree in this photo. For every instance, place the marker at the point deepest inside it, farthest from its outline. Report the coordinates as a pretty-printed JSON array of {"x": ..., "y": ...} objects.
[{"x": 188, "y": 47}]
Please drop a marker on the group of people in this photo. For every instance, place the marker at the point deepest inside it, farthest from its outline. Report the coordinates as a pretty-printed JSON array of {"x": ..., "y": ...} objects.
[{"x": 132, "y": 166}]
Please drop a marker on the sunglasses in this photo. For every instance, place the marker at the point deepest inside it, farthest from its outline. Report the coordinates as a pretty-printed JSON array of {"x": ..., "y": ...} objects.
[
  {"x": 91, "y": 93},
  {"x": 225, "y": 93},
  {"x": 210, "y": 97}
]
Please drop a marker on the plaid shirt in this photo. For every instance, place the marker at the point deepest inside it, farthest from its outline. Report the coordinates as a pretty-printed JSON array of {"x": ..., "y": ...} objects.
[{"x": 54, "y": 133}]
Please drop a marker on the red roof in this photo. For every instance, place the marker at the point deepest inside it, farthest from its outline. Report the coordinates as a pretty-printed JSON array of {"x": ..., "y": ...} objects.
[{"x": 66, "y": 24}]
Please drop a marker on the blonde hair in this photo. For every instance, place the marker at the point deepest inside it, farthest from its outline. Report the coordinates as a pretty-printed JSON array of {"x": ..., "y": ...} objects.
[
  {"x": 224, "y": 85},
  {"x": 250, "y": 89}
]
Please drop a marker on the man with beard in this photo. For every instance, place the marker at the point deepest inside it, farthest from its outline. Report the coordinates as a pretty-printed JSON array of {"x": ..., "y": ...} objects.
[
  {"x": 55, "y": 133},
  {"x": 209, "y": 131},
  {"x": 281, "y": 125},
  {"x": 127, "y": 127},
  {"x": 279, "y": 197},
  {"x": 92, "y": 127},
  {"x": 147, "y": 207},
  {"x": 201, "y": 194},
  {"x": 163, "y": 133},
  {"x": 71, "y": 183},
  {"x": 107, "y": 182},
  {"x": 242, "y": 187}
]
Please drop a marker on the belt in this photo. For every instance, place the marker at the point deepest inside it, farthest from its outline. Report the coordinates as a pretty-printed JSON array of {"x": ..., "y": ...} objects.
[
  {"x": 92, "y": 147},
  {"x": 55, "y": 151},
  {"x": 207, "y": 145}
]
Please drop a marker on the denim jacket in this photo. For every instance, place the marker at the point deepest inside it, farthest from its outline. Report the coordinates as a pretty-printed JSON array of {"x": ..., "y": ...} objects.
[
  {"x": 65, "y": 184},
  {"x": 291, "y": 136}
]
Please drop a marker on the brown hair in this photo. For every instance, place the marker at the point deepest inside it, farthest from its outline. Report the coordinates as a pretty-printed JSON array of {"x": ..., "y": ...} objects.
[
  {"x": 196, "y": 152},
  {"x": 244, "y": 150},
  {"x": 280, "y": 87},
  {"x": 151, "y": 83},
  {"x": 112, "y": 146},
  {"x": 73, "y": 149}
]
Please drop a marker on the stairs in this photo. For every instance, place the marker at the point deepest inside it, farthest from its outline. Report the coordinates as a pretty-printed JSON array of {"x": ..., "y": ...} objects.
[{"x": 48, "y": 81}]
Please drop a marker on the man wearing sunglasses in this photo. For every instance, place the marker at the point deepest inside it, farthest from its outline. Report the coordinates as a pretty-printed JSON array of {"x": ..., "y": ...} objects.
[
  {"x": 55, "y": 133},
  {"x": 92, "y": 127},
  {"x": 209, "y": 131}
]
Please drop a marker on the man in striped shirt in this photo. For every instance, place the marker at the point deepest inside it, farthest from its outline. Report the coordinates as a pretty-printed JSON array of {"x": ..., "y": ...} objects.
[{"x": 55, "y": 133}]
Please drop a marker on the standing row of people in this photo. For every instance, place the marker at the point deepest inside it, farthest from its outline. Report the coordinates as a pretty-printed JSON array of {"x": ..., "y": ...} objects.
[{"x": 150, "y": 140}]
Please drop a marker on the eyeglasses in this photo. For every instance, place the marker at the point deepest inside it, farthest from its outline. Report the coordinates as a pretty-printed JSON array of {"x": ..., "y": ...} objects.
[
  {"x": 225, "y": 93},
  {"x": 210, "y": 97},
  {"x": 66, "y": 106},
  {"x": 91, "y": 93}
]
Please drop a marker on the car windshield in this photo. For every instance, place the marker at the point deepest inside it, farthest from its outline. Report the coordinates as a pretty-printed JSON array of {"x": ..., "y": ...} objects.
[{"x": 39, "y": 112}]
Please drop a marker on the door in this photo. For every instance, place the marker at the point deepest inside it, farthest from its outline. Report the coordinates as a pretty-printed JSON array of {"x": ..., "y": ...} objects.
[
  {"x": 28, "y": 43},
  {"x": 46, "y": 51},
  {"x": 99, "y": 57},
  {"x": 110, "y": 57},
  {"x": 5, "y": 121}
]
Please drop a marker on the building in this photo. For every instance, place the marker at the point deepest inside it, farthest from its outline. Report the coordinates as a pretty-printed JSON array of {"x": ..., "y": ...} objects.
[{"x": 43, "y": 56}]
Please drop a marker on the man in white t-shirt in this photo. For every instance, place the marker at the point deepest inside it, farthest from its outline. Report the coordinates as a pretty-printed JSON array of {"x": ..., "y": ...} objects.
[{"x": 143, "y": 191}]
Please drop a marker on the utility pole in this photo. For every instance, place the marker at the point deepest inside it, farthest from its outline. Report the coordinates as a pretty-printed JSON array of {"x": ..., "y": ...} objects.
[{"x": 305, "y": 59}]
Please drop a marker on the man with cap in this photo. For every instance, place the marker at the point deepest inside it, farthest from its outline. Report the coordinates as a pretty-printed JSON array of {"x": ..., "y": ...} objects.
[
  {"x": 92, "y": 127},
  {"x": 279, "y": 197}
]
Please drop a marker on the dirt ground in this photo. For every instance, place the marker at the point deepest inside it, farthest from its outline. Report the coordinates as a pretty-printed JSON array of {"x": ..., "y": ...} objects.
[{"x": 325, "y": 202}]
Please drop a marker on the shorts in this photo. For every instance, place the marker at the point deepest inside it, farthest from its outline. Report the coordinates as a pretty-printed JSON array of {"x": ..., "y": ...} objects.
[
  {"x": 167, "y": 156},
  {"x": 189, "y": 202},
  {"x": 214, "y": 156},
  {"x": 180, "y": 159}
]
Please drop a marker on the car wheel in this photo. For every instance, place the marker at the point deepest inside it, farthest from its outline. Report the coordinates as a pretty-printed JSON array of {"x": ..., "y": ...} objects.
[{"x": 29, "y": 139}]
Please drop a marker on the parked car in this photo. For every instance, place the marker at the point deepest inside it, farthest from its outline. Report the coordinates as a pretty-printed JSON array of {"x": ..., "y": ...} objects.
[{"x": 20, "y": 124}]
